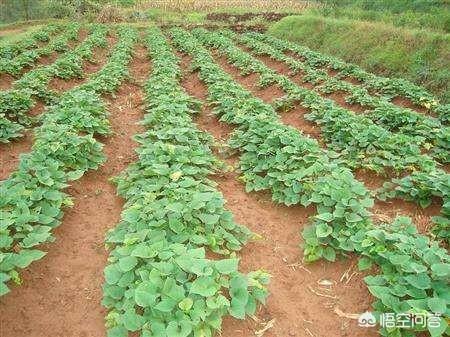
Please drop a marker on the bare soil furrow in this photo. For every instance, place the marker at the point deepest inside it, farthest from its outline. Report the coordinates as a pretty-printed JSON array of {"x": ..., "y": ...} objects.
[
  {"x": 89, "y": 67},
  {"x": 292, "y": 303},
  {"x": 61, "y": 293},
  {"x": 10, "y": 153},
  {"x": 383, "y": 211},
  {"x": 399, "y": 101},
  {"x": 7, "y": 81}
]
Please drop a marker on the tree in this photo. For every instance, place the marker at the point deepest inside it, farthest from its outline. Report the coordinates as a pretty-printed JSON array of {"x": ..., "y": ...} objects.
[
  {"x": 26, "y": 9},
  {"x": 13, "y": 10}
]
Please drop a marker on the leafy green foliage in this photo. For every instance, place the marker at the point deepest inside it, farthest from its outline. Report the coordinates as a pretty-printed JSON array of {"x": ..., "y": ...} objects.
[
  {"x": 388, "y": 87},
  {"x": 277, "y": 157},
  {"x": 113, "y": 73},
  {"x": 68, "y": 65},
  {"x": 82, "y": 110},
  {"x": 413, "y": 270},
  {"x": 35, "y": 83},
  {"x": 26, "y": 58},
  {"x": 158, "y": 280},
  {"x": 13, "y": 118},
  {"x": 15, "y": 103},
  {"x": 32, "y": 197},
  {"x": 9, "y": 130},
  {"x": 11, "y": 50},
  {"x": 357, "y": 137},
  {"x": 426, "y": 130},
  {"x": 351, "y": 133},
  {"x": 359, "y": 141},
  {"x": 422, "y": 187}
]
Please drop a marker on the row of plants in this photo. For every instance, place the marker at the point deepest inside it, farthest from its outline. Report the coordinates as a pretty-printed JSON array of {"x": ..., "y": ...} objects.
[
  {"x": 17, "y": 102},
  {"x": 31, "y": 41},
  {"x": 27, "y": 58},
  {"x": 14, "y": 105},
  {"x": 424, "y": 188},
  {"x": 274, "y": 156},
  {"x": 68, "y": 65},
  {"x": 412, "y": 271},
  {"x": 387, "y": 87},
  {"x": 358, "y": 140},
  {"x": 347, "y": 123},
  {"x": 158, "y": 280},
  {"x": 33, "y": 197},
  {"x": 420, "y": 186},
  {"x": 428, "y": 131}
]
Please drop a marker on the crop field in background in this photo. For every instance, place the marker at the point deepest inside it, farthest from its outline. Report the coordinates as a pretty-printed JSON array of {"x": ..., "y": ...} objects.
[
  {"x": 201, "y": 5},
  {"x": 174, "y": 182}
]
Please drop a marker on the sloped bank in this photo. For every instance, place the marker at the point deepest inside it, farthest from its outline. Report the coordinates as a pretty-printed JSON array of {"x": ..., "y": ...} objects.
[{"x": 418, "y": 56}]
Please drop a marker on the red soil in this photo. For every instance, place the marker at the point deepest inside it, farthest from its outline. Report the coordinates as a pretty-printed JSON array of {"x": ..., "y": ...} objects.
[
  {"x": 89, "y": 67},
  {"x": 407, "y": 103},
  {"x": 295, "y": 118},
  {"x": 339, "y": 98},
  {"x": 400, "y": 101},
  {"x": 387, "y": 211},
  {"x": 6, "y": 81},
  {"x": 62, "y": 292},
  {"x": 293, "y": 305},
  {"x": 9, "y": 154},
  {"x": 48, "y": 59}
]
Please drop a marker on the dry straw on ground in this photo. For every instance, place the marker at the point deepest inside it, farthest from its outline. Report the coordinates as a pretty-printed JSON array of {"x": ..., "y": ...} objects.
[{"x": 110, "y": 14}]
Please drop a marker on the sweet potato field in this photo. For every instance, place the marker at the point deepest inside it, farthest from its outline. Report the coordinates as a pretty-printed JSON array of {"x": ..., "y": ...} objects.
[{"x": 174, "y": 183}]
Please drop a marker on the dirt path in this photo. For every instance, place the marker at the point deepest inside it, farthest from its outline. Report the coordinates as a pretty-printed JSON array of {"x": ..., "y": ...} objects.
[
  {"x": 10, "y": 153},
  {"x": 293, "y": 306},
  {"x": 61, "y": 293},
  {"x": 10, "y": 31}
]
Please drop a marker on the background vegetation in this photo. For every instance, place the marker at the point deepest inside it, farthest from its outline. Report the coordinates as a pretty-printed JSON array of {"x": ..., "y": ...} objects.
[
  {"x": 16, "y": 10},
  {"x": 418, "y": 55},
  {"x": 401, "y": 38},
  {"x": 423, "y": 14}
]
